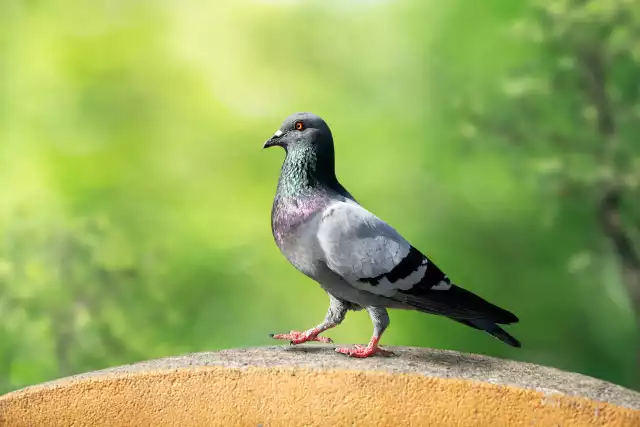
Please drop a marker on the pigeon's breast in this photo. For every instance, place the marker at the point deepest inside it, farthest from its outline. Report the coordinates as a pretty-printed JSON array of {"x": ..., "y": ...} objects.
[{"x": 294, "y": 227}]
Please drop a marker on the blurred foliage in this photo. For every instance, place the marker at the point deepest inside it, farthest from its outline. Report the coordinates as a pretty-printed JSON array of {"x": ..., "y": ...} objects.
[
  {"x": 136, "y": 199},
  {"x": 570, "y": 114}
]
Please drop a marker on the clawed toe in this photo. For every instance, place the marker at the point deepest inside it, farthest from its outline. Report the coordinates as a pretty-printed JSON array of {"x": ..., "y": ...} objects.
[
  {"x": 297, "y": 337},
  {"x": 361, "y": 351}
]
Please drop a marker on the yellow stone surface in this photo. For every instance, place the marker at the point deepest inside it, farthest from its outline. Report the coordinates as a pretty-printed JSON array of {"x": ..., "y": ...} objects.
[{"x": 279, "y": 387}]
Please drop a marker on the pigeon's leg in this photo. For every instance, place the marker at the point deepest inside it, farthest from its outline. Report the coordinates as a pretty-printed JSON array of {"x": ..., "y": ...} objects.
[
  {"x": 335, "y": 315},
  {"x": 380, "y": 319}
]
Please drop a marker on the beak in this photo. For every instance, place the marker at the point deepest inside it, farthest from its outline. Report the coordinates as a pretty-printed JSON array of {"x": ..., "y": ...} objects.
[{"x": 274, "y": 140}]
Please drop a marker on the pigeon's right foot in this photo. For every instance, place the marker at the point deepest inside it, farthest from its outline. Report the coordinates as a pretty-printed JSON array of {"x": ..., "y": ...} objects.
[
  {"x": 362, "y": 351},
  {"x": 296, "y": 337}
]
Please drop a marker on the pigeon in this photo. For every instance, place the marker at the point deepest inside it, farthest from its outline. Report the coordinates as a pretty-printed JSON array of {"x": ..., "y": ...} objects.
[{"x": 358, "y": 259}]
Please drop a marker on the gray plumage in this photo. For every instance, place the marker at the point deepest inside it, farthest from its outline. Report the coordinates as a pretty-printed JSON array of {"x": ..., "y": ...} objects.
[{"x": 359, "y": 260}]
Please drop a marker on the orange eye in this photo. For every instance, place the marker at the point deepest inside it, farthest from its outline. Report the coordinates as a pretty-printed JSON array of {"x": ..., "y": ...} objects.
[{"x": 298, "y": 126}]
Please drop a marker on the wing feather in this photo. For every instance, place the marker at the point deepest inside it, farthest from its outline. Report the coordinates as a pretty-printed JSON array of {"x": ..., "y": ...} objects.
[
  {"x": 372, "y": 256},
  {"x": 366, "y": 251}
]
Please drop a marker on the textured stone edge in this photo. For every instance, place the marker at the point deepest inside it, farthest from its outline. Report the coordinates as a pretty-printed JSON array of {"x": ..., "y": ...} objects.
[{"x": 421, "y": 361}]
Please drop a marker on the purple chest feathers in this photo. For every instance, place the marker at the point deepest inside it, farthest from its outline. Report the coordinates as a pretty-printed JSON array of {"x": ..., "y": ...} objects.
[{"x": 289, "y": 214}]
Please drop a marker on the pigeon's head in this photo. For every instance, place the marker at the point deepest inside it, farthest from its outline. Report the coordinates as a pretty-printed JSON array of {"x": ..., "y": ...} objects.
[{"x": 304, "y": 131}]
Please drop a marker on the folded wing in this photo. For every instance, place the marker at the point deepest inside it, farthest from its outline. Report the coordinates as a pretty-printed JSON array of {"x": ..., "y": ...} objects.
[{"x": 372, "y": 256}]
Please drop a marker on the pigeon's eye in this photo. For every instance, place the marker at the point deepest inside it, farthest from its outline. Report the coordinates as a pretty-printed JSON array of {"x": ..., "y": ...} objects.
[{"x": 298, "y": 126}]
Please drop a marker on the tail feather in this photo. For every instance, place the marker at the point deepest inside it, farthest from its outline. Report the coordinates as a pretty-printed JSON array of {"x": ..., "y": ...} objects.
[
  {"x": 492, "y": 329},
  {"x": 457, "y": 303}
]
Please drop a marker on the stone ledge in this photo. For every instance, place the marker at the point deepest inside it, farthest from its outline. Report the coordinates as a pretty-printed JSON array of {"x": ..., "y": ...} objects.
[{"x": 312, "y": 385}]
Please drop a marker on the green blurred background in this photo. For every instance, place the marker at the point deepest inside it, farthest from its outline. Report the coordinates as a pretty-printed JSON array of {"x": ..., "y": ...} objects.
[{"x": 500, "y": 137}]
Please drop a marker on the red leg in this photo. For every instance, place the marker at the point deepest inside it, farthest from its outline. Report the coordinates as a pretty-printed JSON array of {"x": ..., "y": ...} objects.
[
  {"x": 335, "y": 316},
  {"x": 296, "y": 337},
  {"x": 362, "y": 351}
]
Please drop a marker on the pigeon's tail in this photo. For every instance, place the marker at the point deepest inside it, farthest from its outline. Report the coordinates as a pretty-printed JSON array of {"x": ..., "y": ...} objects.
[
  {"x": 492, "y": 329},
  {"x": 464, "y": 307},
  {"x": 457, "y": 303}
]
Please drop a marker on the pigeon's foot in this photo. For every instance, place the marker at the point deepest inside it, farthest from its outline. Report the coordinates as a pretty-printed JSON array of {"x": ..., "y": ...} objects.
[
  {"x": 362, "y": 351},
  {"x": 296, "y": 337}
]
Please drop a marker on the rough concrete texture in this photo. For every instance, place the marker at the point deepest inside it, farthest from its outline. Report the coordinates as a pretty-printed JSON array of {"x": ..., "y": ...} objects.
[{"x": 288, "y": 386}]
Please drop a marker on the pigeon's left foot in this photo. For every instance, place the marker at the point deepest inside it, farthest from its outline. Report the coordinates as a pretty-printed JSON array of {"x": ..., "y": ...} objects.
[
  {"x": 296, "y": 337},
  {"x": 362, "y": 351}
]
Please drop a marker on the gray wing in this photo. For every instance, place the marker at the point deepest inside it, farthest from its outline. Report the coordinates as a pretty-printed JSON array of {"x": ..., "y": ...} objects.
[
  {"x": 368, "y": 253},
  {"x": 372, "y": 256}
]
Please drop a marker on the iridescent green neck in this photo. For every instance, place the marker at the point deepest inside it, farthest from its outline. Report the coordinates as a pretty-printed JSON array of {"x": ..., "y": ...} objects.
[{"x": 304, "y": 171}]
